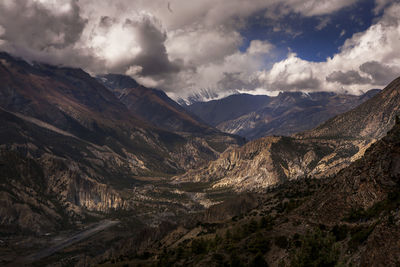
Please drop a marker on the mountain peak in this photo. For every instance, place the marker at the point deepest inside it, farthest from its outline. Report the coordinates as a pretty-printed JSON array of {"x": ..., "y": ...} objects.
[
  {"x": 371, "y": 119},
  {"x": 117, "y": 81}
]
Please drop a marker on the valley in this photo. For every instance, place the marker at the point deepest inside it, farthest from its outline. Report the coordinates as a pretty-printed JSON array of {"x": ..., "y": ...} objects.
[
  {"x": 103, "y": 171},
  {"x": 223, "y": 133}
]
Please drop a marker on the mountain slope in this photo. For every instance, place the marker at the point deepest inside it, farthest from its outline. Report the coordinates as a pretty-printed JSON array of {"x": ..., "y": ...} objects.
[
  {"x": 290, "y": 112},
  {"x": 372, "y": 119},
  {"x": 350, "y": 219},
  {"x": 217, "y": 111},
  {"x": 73, "y": 101},
  {"x": 153, "y": 105},
  {"x": 271, "y": 160},
  {"x": 89, "y": 148}
]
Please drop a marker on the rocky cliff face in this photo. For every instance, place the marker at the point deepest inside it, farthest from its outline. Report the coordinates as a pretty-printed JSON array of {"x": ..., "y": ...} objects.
[
  {"x": 271, "y": 160},
  {"x": 320, "y": 152},
  {"x": 364, "y": 183}
]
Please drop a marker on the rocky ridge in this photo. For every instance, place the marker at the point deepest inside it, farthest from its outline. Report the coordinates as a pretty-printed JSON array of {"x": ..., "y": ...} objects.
[
  {"x": 320, "y": 152},
  {"x": 347, "y": 219}
]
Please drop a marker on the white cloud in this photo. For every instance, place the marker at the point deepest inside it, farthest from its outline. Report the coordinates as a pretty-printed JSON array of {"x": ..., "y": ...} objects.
[
  {"x": 202, "y": 46},
  {"x": 322, "y": 23},
  {"x": 367, "y": 60},
  {"x": 259, "y": 47},
  {"x": 197, "y": 44}
]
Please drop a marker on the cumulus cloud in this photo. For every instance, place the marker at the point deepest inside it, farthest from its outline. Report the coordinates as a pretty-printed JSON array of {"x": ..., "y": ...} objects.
[
  {"x": 197, "y": 45},
  {"x": 40, "y": 25},
  {"x": 200, "y": 46},
  {"x": 372, "y": 52},
  {"x": 45, "y": 30},
  {"x": 380, "y": 73},
  {"x": 259, "y": 47},
  {"x": 347, "y": 78}
]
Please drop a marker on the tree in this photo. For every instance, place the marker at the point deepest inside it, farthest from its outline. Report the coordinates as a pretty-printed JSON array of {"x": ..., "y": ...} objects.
[
  {"x": 258, "y": 261},
  {"x": 317, "y": 249}
]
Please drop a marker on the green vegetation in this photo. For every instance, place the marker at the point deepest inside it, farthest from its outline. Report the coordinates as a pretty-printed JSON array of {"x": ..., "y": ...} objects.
[
  {"x": 317, "y": 249},
  {"x": 340, "y": 232},
  {"x": 360, "y": 215},
  {"x": 359, "y": 235}
]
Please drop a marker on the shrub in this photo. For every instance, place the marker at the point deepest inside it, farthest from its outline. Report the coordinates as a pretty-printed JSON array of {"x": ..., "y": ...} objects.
[
  {"x": 258, "y": 261},
  {"x": 359, "y": 235},
  {"x": 340, "y": 232},
  {"x": 317, "y": 249},
  {"x": 282, "y": 242},
  {"x": 199, "y": 246}
]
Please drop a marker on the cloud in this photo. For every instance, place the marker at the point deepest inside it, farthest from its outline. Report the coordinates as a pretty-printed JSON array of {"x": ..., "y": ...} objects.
[
  {"x": 291, "y": 74},
  {"x": 381, "y": 74},
  {"x": 259, "y": 47},
  {"x": 153, "y": 57},
  {"x": 198, "y": 45},
  {"x": 322, "y": 23},
  {"x": 347, "y": 78},
  {"x": 46, "y": 31},
  {"x": 39, "y": 25},
  {"x": 372, "y": 52},
  {"x": 381, "y": 4},
  {"x": 232, "y": 81}
]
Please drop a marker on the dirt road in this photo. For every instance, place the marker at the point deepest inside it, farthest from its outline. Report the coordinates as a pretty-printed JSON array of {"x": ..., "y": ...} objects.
[{"x": 70, "y": 240}]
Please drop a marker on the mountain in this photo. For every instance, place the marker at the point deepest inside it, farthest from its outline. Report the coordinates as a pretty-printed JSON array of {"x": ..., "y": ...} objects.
[
  {"x": 86, "y": 148},
  {"x": 153, "y": 105},
  {"x": 234, "y": 106},
  {"x": 320, "y": 152},
  {"x": 289, "y": 112},
  {"x": 350, "y": 219},
  {"x": 372, "y": 119},
  {"x": 202, "y": 95}
]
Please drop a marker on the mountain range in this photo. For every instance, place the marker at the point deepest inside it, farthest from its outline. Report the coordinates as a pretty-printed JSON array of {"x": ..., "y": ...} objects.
[
  {"x": 86, "y": 144},
  {"x": 255, "y": 116},
  {"x": 319, "y": 152},
  {"x": 76, "y": 150}
]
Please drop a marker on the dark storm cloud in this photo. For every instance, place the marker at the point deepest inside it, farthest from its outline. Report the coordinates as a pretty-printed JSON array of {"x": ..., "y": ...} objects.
[
  {"x": 153, "y": 57},
  {"x": 31, "y": 25},
  {"x": 347, "y": 78},
  {"x": 381, "y": 74},
  {"x": 45, "y": 32}
]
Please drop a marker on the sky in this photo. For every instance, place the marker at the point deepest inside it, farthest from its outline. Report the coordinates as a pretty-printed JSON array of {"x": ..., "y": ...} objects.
[{"x": 222, "y": 46}]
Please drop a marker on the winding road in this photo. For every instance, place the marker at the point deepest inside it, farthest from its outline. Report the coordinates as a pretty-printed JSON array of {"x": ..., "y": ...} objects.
[{"x": 70, "y": 240}]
